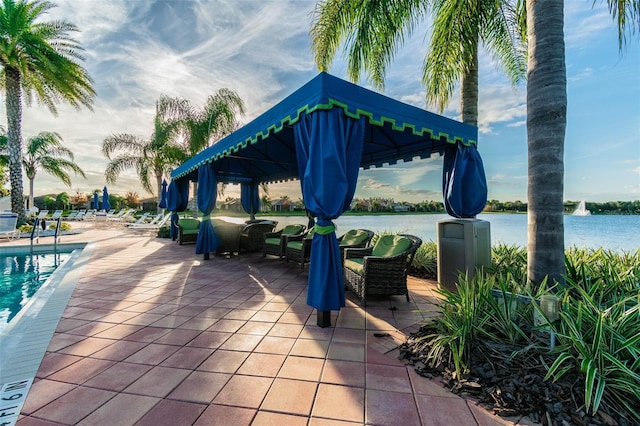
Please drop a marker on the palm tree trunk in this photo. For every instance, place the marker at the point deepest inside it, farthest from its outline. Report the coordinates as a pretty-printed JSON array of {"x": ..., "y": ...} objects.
[
  {"x": 546, "y": 124},
  {"x": 31, "y": 181},
  {"x": 469, "y": 91},
  {"x": 13, "y": 103}
]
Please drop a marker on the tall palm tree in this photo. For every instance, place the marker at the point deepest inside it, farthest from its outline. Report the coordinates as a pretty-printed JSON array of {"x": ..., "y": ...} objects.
[
  {"x": 546, "y": 123},
  {"x": 152, "y": 158},
  {"x": 39, "y": 60},
  {"x": 218, "y": 118},
  {"x": 44, "y": 151},
  {"x": 373, "y": 30}
]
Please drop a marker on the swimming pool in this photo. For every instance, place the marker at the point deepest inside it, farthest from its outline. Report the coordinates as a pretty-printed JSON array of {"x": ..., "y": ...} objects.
[{"x": 22, "y": 275}]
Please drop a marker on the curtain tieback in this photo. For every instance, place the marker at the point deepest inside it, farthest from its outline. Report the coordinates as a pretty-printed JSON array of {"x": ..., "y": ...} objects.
[{"x": 324, "y": 230}]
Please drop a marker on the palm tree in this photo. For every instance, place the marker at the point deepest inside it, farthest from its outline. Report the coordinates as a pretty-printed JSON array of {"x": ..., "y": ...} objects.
[
  {"x": 373, "y": 31},
  {"x": 152, "y": 158},
  {"x": 218, "y": 118},
  {"x": 44, "y": 151},
  {"x": 546, "y": 123},
  {"x": 39, "y": 60}
]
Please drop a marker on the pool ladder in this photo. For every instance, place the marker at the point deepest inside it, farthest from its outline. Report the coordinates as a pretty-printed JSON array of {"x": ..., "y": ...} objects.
[{"x": 35, "y": 232}]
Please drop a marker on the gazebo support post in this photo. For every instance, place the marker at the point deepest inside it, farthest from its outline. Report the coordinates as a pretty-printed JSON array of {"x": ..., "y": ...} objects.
[
  {"x": 324, "y": 319},
  {"x": 206, "y": 256}
]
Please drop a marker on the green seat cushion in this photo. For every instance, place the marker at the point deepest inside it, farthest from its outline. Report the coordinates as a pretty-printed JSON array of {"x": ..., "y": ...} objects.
[
  {"x": 189, "y": 231},
  {"x": 272, "y": 241},
  {"x": 353, "y": 237},
  {"x": 296, "y": 245},
  {"x": 390, "y": 245},
  {"x": 310, "y": 234},
  {"x": 188, "y": 224},
  {"x": 356, "y": 264},
  {"x": 292, "y": 229}
]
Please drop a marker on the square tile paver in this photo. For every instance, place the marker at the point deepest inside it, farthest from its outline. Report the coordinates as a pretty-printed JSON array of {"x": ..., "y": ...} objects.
[
  {"x": 344, "y": 373},
  {"x": 435, "y": 410},
  {"x": 200, "y": 386},
  {"x": 391, "y": 409},
  {"x": 222, "y": 361},
  {"x": 122, "y": 410},
  {"x": 225, "y": 415},
  {"x": 259, "y": 364},
  {"x": 290, "y": 396},
  {"x": 166, "y": 411},
  {"x": 388, "y": 378},
  {"x": 73, "y": 406},
  {"x": 300, "y": 368},
  {"x": 244, "y": 391},
  {"x": 158, "y": 381},
  {"x": 340, "y": 402}
]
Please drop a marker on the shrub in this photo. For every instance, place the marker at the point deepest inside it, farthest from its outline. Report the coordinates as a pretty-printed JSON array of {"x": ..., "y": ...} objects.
[{"x": 163, "y": 232}]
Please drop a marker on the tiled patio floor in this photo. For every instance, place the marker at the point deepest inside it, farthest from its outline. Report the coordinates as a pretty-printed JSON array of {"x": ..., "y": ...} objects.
[{"x": 154, "y": 335}]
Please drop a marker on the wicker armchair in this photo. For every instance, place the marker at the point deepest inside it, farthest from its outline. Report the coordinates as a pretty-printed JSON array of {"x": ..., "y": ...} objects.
[
  {"x": 188, "y": 230},
  {"x": 298, "y": 248},
  {"x": 275, "y": 242},
  {"x": 355, "y": 238},
  {"x": 381, "y": 269},
  {"x": 252, "y": 235},
  {"x": 228, "y": 237}
]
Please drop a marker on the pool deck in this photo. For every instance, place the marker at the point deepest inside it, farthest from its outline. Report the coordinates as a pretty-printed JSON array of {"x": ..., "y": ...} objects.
[{"x": 152, "y": 334}]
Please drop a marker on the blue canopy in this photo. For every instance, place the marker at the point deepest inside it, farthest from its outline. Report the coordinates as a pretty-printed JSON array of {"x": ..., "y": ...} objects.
[
  {"x": 96, "y": 203},
  {"x": 105, "y": 199},
  {"x": 264, "y": 150},
  {"x": 322, "y": 134}
]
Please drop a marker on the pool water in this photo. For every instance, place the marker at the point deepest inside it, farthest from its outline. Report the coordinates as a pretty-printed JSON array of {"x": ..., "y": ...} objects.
[{"x": 22, "y": 276}]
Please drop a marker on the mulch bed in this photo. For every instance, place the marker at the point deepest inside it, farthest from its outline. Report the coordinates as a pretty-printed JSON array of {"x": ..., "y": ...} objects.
[{"x": 512, "y": 385}]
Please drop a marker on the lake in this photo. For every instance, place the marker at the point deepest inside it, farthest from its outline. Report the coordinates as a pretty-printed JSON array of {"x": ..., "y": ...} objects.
[{"x": 614, "y": 232}]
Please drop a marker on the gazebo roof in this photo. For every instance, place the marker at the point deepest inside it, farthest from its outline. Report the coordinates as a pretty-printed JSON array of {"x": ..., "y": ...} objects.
[{"x": 263, "y": 150}]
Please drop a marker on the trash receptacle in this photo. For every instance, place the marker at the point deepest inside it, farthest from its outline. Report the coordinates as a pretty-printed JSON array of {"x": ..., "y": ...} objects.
[{"x": 463, "y": 246}]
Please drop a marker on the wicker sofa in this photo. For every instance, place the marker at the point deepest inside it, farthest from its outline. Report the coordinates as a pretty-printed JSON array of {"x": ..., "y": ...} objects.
[
  {"x": 381, "y": 269},
  {"x": 275, "y": 242},
  {"x": 187, "y": 230},
  {"x": 252, "y": 235}
]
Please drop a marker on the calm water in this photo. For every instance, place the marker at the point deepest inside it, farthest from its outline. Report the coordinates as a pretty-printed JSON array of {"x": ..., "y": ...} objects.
[
  {"x": 22, "y": 276},
  {"x": 606, "y": 231}
]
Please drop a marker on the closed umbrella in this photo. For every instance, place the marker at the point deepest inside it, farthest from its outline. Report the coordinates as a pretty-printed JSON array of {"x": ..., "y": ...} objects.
[
  {"x": 95, "y": 201},
  {"x": 105, "y": 199},
  {"x": 163, "y": 197}
]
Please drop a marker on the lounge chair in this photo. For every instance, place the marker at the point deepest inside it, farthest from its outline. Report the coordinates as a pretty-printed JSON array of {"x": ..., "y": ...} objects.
[
  {"x": 381, "y": 269},
  {"x": 100, "y": 217},
  {"x": 252, "y": 234},
  {"x": 71, "y": 216},
  {"x": 153, "y": 224},
  {"x": 142, "y": 219},
  {"x": 8, "y": 222},
  {"x": 275, "y": 242},
  {"x": 187, "y": 230},
  {"x": 298, "y": 247}
]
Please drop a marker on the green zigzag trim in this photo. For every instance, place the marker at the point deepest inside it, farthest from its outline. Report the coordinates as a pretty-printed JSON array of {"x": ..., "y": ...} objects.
[{"x": 275, "y": 128}]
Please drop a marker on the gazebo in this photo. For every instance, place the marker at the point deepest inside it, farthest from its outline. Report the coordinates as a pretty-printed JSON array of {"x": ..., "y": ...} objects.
[{"x": 322, "y": 134}]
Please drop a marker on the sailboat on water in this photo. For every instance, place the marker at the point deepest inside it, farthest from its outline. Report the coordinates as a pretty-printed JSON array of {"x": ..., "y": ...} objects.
[{"x": 582, "y": 209}]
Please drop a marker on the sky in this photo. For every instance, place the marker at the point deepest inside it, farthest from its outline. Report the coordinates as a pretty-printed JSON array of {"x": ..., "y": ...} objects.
[{"x": 136, "y": 51}]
